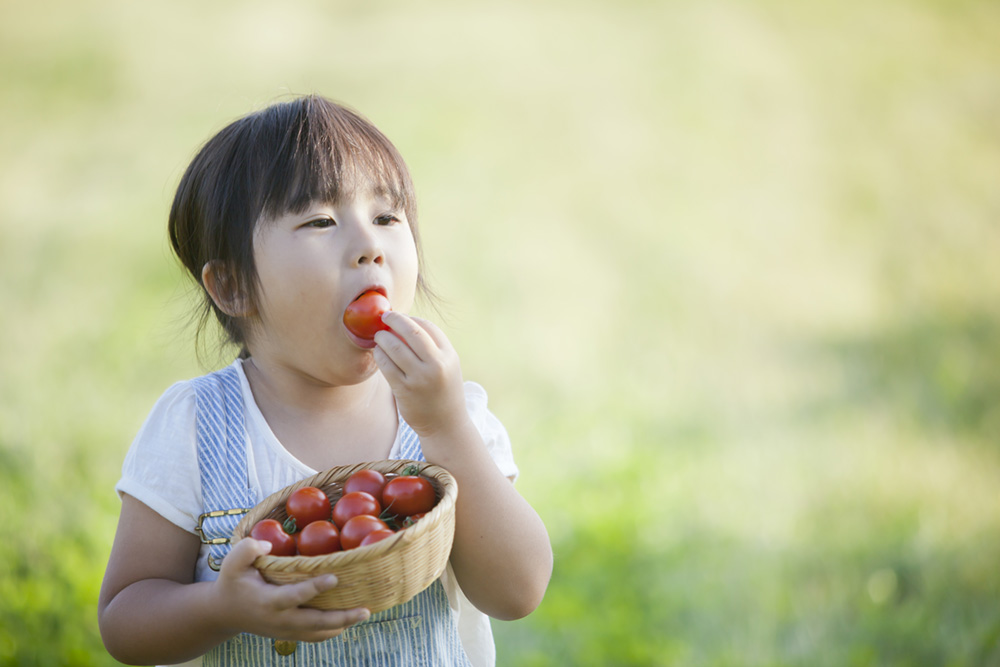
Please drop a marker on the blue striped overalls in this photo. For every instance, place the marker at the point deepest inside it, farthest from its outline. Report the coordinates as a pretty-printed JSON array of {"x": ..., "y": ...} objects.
[{"x": 422, "y": 631}]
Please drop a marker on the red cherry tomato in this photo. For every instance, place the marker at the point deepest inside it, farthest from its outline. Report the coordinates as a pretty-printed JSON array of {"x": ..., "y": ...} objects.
[
  {"x": 376, "y": 535},
  {"x": 408, "y": 495},
  {"x": 269, "y": 530},
  {"x": 367, "y": 480},
  {"x": 357, "y": 527},
  {"x": 363, "y": 316},
  {"x": 306, "y": 505},
  {"x": 352, "y": 504},
  {"x": 319, "y": 537}
]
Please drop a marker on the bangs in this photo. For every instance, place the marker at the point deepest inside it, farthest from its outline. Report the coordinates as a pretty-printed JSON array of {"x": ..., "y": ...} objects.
[{"x": 322, "y": 152}]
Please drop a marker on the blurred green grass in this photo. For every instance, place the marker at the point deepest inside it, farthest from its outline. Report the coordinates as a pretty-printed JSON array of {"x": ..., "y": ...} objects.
[{"x": 727, "y": 270}]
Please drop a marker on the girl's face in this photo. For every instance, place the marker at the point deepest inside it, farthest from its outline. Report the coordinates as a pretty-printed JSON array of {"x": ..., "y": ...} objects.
[{"x": 310, "y": 266}]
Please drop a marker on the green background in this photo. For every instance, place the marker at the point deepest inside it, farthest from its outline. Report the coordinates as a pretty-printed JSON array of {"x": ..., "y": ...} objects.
[{"x": 727, "y": 270}]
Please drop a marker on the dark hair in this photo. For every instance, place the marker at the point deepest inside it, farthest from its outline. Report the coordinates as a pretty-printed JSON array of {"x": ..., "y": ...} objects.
[{"x": 269, "y": 163}]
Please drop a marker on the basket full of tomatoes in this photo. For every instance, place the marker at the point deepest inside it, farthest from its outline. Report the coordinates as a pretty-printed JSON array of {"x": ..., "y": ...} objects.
[{"x": 385, "y": 528}]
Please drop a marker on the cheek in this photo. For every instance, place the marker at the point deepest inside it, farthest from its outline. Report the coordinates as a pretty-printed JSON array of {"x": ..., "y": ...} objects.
[
  {"x": 407, "y": 269},
  {"x": 280, "y": 278},
  {"x": 263, "y": 258}
]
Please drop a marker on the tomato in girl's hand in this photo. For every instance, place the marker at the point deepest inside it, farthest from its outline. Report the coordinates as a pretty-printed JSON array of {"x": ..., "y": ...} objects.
[
  {"x": 408, "y": 495},
  {"x": 269, "y": 530},
  {"x": 357, "y": 527},
  {"x": 319, "y": 537},
  {"x": 376, "y": 535},
  {"x": 306, "y": 505},
  {"x": 363, "y": 316},
  {"x": 352, "y": 504},
  {"x": 367, "y": 480}
]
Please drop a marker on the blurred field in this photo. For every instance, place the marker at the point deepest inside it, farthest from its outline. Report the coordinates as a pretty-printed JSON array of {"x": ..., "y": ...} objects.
[{"x": 727, "y": 269}]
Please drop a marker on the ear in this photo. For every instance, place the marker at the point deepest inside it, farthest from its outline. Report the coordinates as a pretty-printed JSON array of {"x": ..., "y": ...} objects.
[{"x": 224, "y": 289}]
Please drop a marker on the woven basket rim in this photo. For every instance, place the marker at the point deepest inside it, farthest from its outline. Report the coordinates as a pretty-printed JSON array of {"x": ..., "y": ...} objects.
[{"x": 445, "y": 486}]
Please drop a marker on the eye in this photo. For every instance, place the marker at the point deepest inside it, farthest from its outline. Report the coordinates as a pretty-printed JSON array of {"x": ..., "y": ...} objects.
[
  {"x": 321, "y": 223},
  {"x": 386, "y": 219}
]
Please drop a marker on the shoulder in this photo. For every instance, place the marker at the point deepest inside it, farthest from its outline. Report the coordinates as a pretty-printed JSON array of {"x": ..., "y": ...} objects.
[
  {"x": 173, "y": 411},
  {"x": 161, "y": 468},
  {"x": 491, "y": 429},
  {"x": 475, "y": 395},
  {"x": 177, "y": 407},
  {"x": 477, "y": 404},
  {"x": 172, "y": 422}
]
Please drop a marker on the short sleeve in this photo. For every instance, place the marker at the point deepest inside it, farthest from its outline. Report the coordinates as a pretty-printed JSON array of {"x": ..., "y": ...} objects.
[
  {"x": 491, "y": 429},
  {"x": 161, "y": 467}
]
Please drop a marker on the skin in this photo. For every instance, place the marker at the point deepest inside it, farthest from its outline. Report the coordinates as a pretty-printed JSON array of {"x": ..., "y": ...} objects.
[{"x": 330, "y": 401}]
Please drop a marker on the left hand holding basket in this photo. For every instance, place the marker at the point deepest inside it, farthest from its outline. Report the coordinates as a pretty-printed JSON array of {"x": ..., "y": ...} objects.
[{"x": 247, "y": 603}]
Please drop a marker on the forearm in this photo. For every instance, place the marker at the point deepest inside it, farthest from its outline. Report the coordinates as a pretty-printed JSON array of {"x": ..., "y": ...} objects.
[
  {"x": 157, "y": 621},
  {"x": 501, "y": 556}
]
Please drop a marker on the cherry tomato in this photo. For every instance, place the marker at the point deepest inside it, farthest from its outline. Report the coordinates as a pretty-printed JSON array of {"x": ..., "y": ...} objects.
[
  {"x": 412, "y": 519},
  {"x": 269, "y": 530},
  {"x": 376, "y": 535},
  {"x": 306, "y": 505},
  {"x": 357, "y": 527},
  {"x": 353, "y": 504},
  {"x": 408, "y": 495},
  {"x": 363, "y": 316},
  {"x": 319, "y": 537},
  {"x": 367, "y": 480}
]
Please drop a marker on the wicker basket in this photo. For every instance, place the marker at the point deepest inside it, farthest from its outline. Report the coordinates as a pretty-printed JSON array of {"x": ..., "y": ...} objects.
[{"x": 377, "y": 576}]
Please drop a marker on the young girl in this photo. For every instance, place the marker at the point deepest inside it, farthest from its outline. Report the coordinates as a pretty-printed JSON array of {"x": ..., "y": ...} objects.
[{"x": 284, "y": 218}]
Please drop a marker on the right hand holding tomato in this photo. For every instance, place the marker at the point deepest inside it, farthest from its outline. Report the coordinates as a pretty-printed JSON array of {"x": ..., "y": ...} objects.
[{"x": 425, "y": 375}]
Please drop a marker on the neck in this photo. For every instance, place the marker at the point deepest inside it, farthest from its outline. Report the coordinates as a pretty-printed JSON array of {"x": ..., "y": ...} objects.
[
  {"x": 323, "y": 425},
  {"x": 292, "y": 393}
]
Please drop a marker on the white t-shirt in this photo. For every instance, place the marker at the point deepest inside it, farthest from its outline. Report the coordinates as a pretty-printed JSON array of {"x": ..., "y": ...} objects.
[{"x": 161, "y": 471}]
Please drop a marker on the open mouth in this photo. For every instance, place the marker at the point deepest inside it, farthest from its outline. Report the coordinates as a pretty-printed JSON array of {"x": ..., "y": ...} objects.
[
  {"x": 363, "y": 316},
  {"x": 374, "y": 288}
]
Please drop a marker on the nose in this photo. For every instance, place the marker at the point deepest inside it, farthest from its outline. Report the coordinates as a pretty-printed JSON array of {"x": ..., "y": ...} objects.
[{"x": 367, "y": 249}]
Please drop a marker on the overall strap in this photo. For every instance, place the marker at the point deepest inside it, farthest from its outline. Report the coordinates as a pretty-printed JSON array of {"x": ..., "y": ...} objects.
[
  {"x": 222, "y": 459},
  {"x": 409, "y": 443}
]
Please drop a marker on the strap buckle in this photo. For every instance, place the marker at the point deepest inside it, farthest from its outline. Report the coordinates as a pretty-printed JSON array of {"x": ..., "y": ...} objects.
[{"x": 215, "y": 564}]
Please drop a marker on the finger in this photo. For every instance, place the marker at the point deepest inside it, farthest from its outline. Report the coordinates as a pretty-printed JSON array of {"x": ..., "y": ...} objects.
[
  {"x": 400, "y": 356},
  {"x": 244, "y": 553},
  {"x": 293, "y": 595},
  {"x": 317, "y": 625},
  {"x": 412, "y": 333},
  {"x": 326, "y": 620},
  {"x": 385, "y": 363},
  {"x": 435, "y": 333}
]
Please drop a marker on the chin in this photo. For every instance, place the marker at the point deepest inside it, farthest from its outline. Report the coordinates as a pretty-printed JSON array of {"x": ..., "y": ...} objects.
[{"x": 365, "y": 368}]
